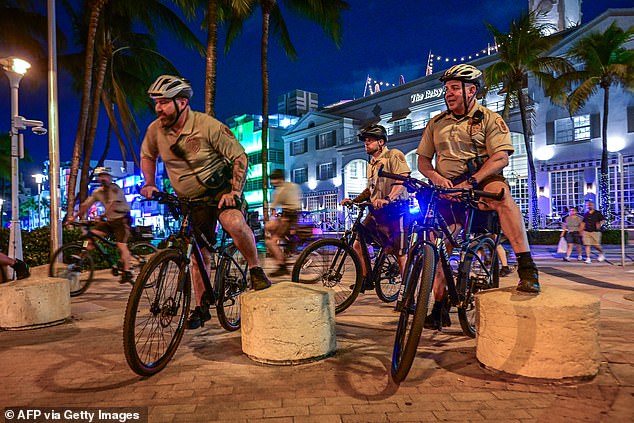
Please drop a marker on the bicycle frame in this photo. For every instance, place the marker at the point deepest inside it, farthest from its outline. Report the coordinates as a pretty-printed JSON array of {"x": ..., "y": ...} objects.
[{"x": 434, "y": 223}]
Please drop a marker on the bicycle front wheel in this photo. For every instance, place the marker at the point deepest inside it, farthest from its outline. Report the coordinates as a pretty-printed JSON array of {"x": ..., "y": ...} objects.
[
  {"x": 413, "y": 306},
  {"x": 139, "y": 255},
  {"x": 335, "y": 265},
  {"x": 231, "y": 282},
  {"x": 73, "y": 263},
  {"x": 479, "y": 270},
  {"x": 389, "y": 277},
  {"x": 156, "y": 312}
]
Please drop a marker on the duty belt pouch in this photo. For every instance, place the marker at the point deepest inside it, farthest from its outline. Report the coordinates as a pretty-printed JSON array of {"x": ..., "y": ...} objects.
[{"x": 218, "y": 180}]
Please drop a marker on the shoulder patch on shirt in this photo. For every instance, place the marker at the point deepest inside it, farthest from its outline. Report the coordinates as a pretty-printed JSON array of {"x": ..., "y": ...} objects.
[
  {"x": 227, "y": 131},
  {"x": 502, "y": 125}
]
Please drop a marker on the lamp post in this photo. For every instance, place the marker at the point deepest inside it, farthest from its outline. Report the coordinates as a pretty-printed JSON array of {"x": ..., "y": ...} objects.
[
  {"x": 15, "y": 69},
  {"x": 39, "y": 179},
  {"x": 1, "y": 213}
]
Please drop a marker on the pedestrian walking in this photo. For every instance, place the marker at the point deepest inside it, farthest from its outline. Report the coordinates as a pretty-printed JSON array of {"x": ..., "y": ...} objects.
[
  {"x": 591, "y": 231},
  {"x": 572, "y": 233}
]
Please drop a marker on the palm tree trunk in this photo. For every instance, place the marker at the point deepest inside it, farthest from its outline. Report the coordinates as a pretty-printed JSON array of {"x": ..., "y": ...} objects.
[
  {"x": 210, "y": 71},
  {"x": 604, "y": 176},
  {"x": 266, "y": 15},
  {"x": 532, "y": 182},
  {"x": 96, "y": 7},
  {"x": 109, "y": 107},
  {"x": 94, "y": 118}
]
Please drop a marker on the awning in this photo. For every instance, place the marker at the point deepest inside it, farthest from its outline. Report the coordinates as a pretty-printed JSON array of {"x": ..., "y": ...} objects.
[{"x": 398, "y": 115}]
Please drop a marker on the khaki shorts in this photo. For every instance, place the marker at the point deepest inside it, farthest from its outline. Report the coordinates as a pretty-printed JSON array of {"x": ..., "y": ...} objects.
[
  {"x": 591, "y": 238},
  {"x": 119, "y": 227}
]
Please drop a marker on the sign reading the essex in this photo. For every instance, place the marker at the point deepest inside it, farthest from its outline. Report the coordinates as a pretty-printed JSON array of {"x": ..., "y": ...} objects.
[{"x": 426, "y": 95}]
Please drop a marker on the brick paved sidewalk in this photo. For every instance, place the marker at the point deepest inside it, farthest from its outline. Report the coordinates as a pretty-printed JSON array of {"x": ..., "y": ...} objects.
[{"x": 81, "y": 364}]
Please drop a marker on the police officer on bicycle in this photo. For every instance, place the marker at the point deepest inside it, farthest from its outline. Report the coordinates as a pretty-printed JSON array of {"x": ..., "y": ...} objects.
[
  {"x": 388, "y": 217},
  {"x": 115, "y": 220},
  {"x": 286, "y": 197},
  {"x": 203, "y": 159},
  {"x": 471, "y": 145}
]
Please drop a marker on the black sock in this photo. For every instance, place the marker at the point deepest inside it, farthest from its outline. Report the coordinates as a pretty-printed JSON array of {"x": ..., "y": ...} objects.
[{"x": 525, "y": 260}]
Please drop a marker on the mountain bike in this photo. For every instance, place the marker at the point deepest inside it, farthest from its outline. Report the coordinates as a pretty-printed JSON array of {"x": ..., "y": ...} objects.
[
  {"x": 158, "y": 305},
  {"x": 477, "y": 267},
  {"x": 77, "y": 261},
  {"x": 336, "y": 265}
]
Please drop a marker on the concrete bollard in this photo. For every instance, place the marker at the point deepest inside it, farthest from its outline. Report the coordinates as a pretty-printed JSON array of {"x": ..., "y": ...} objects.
[
  {"x": 288, "y": 323},
  {"x": 552, "y": 335},
  {"x": 34, "y": 302}
]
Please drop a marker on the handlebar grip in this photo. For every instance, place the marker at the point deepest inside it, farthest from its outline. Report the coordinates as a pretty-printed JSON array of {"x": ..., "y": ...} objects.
[
  {"x": 494, "y": 196},
  {"x": 389, "y": 175}
]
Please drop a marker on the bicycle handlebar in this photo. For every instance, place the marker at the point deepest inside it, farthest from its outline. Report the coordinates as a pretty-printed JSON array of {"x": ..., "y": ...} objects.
[{"x": 413, "y": 185}]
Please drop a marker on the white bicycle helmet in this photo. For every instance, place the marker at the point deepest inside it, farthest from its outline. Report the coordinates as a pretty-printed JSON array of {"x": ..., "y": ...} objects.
[
  {"x": 464, "y": 73},
  {"x": 170, "y": 86}
]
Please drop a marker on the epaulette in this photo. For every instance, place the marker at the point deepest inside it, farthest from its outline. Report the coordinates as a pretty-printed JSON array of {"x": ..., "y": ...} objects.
[{"x": 440, "y": 116}]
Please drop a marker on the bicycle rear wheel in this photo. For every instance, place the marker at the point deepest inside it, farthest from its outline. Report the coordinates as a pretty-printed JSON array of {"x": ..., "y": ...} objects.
[
  {"x": 156, "y": 312},
  {"x": 231, "y": 282},
  {"x": 480, "y": 270},
  {"x": 74, "y": 263},
  {"x": 139, "y": 255},
  {"x": 335, "y": 265},
  {"x": 389, "y": 278},
  {"x": 413, "y": 306}
]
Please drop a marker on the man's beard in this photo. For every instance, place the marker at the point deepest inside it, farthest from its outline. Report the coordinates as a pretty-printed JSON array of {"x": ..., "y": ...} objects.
[{"x": 167, "y": 120}]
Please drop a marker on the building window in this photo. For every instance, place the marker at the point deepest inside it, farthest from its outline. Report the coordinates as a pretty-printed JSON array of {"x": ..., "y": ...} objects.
[
  {"x": 300, "y": 176},
  {"x": 402, "y": 125},
  {"x": 326, "y": 140},
  {"x": 519, "y": 191},
  {"x": 313, "y": 203},
  {"x": 566, "y": 189},
  {"x": 275, "y": 156},
  {"x": 357, "y": 170},
  {"x": 330, "y": 201},
  {"x": 326, "y": 171},
  {"x": 253, "y": 185},
  {"x": 572, "y": 129},
  {"x": 299, "y": 147},
  {"x": 519, "y": 146}
]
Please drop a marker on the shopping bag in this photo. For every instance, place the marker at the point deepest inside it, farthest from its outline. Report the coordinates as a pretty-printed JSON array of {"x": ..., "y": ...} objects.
[{"x": 562, "y": 247}]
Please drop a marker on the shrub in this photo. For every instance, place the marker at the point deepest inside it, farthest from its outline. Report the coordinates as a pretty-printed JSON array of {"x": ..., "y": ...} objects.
[{"x": 551, "y": 237}]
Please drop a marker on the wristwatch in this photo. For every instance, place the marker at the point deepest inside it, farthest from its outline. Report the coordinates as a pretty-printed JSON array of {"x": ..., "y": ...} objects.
[
  {"x": 387, "y": 197},
  {"x": 473, "y": 182}
]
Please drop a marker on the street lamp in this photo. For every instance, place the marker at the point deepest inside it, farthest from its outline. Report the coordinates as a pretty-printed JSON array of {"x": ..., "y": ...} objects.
[
  {"x": 39, "y": 179},
  {"x": 15, "y": 69}
]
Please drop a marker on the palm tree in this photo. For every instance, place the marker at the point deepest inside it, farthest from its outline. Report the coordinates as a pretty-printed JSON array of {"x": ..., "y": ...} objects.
[
  {"x": 216, "y": 11},
  {"x": 327, "y": 13},
  {"x": 115, "y": 36},
  {"x": 521, "y": 51},
  {"x": 605, "y": 61}
]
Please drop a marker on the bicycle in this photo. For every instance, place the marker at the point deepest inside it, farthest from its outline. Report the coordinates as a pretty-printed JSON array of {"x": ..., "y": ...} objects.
[
  {"x": 77, "y": 261},
  {"x": 335, "y": 264},
  {"x": 158, "y": 305},
  {"x": 477, "y": 268}
]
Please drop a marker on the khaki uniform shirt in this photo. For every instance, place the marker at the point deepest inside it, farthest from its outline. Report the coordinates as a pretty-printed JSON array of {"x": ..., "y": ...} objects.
[
  {"x": 286, "y": 197},
  {"x": 207, "y": 143},
  {"x": 454, "y": 141},
  {"x": 393, "y": 161},
  {"x": 113, "y": 200}
]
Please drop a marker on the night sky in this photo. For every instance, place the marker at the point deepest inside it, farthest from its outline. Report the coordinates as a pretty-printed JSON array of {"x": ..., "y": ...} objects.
[{"x": 383, "y": 39}]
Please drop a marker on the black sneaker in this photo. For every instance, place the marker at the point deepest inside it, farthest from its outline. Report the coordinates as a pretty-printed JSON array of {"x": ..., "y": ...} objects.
[
  {"x": 21, "y": 269},
  {"x": 505, "y": 271},
  {"x": 126, "y": 277},
  {"x": 197, "y": 317},
  {"x": 529, "y": 279},
  {"x": 439, "y": 317},
  {"x": 281, "y": 271},
  {"x": 259, "y": 280}
]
